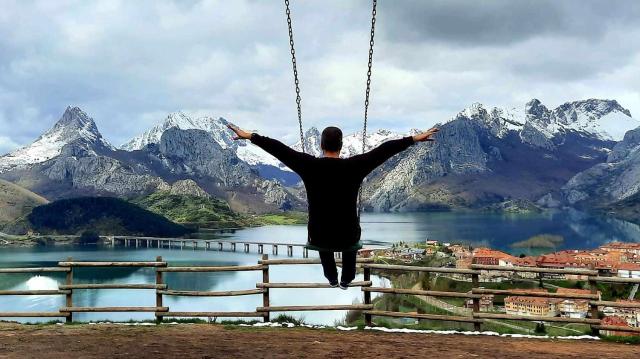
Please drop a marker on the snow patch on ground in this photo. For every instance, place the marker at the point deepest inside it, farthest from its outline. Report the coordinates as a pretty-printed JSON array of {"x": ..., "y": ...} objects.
[{"x": 421, "y": 331}]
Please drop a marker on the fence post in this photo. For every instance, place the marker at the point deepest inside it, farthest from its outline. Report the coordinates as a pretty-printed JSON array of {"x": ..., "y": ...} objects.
[
  {"x": 475, "y": 280},
  {"x": 593, "y": 285},
  {"x": 69, "y": 296},
  {"x": 159, "y": 281},
  {"x": 265, "y": 279},
  {"x": 367, "y": 296}
]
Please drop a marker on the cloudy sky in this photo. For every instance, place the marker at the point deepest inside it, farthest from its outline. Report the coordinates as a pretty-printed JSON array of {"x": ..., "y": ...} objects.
[{"x": 130, "y": 63}]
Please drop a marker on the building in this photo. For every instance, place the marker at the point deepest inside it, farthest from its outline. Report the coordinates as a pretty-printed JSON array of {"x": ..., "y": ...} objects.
[
  {"x": 616, "y": 322},
  {"x": 620, "y": 247},
  {"x": 630, "y": 315},
  {"x": 628, "y": 270},
  {"x": 530, "y": 306},
  {"x": 488, "y": 256},
  {"x": 573, "y": 308},
  {"x": 486, "y": 303},
  {"x": 459, "y": 251},
  {"x": 366, "y": 252}
]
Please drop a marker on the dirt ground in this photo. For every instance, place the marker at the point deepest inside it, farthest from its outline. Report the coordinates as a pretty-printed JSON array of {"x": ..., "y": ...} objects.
[{"x": 216, "y": 341}]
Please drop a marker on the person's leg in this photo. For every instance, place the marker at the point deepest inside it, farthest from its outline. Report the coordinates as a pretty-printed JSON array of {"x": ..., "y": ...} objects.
[
  {"x": 348, "y": 267},
  {"x": 329, "y": 266}
]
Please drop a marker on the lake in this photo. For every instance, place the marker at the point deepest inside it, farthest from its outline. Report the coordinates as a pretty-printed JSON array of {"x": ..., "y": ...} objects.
[{"x": 499, "y": 231}]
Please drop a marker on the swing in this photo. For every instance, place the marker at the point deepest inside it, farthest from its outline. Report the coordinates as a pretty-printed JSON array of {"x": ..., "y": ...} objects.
[{"x": 358, "y": 245}]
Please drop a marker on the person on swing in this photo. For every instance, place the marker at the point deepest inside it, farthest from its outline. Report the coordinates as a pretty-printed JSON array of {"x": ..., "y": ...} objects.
[{"x": 332, "y": 185}]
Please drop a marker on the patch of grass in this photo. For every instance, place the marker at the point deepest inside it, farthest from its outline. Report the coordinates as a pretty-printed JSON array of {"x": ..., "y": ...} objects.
[
  {"x": 285, "y": 318},
  {"x": 622, "y": 339},
  {"x": 183, "y": 208},
  {"x": 283, "y": 218}
]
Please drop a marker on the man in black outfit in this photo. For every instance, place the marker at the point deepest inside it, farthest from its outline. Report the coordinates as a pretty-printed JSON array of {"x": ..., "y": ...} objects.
[{"x": 332, "y": 185}]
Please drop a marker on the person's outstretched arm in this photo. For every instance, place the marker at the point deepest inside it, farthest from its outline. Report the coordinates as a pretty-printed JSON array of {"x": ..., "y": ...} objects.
[
  {"x": 374, "y": 158},
  {"x": 290, "y": 157}
]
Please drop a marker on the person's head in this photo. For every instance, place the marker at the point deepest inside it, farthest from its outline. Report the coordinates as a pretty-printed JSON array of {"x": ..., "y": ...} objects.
[{"x": 331, "y": 140}]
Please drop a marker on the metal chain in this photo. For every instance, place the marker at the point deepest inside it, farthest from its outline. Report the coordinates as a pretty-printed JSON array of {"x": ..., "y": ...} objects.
[
  {"x": 295, "y": 73},
  {"x": 367, "y": 92}
]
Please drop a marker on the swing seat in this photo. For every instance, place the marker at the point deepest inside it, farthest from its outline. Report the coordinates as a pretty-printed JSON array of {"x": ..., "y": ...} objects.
[{"x": 352, "y": 248}]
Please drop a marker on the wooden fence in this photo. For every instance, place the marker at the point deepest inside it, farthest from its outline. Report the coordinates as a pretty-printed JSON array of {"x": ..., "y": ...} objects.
[{"x": 263, "y": 288}]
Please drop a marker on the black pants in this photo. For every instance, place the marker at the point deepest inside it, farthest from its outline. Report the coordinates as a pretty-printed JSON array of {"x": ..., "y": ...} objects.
[{"x": 348, "y": 266}]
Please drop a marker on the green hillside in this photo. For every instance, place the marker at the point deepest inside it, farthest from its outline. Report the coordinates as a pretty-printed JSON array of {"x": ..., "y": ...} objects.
[
  {"x": 185, "y": 208},
  {"x": 16, "y": 201},
  {"x": 211, "y": 212},
  {"x": 102, "y": 215}
]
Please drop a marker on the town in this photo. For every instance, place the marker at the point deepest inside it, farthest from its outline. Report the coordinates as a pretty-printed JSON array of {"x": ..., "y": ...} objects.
[{"x": 615, "y": 259}]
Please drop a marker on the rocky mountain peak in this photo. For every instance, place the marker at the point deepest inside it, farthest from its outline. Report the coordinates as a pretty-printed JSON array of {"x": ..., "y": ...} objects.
[
  {"x": 184, "y": 187},
  {"x": 215, "y": 126},
  {"x": 596, "y": 108},
  {"x": 74, "y": 127},
  {"x": 475, "y": 111}
]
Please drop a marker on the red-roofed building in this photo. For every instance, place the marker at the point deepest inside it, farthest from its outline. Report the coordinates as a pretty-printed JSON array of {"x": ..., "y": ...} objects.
[
  {"x": 616, "y": 322},
  {"x": 628, "y": 270}
]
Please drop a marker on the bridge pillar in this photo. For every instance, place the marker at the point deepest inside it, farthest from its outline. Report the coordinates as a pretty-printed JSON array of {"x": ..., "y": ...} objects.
[
  {"x": 305, "y": 252},
  {"x": 246, "y": 247},
  {"x": 260, "y": 248},
  {"x": 158, "y": 243},
  {"x": 181, "y": 245},
  {"x": 274, "y": 249},
  {"x": 207, "y": 245},
  {"x": 290, "y": 251},
  {"x": 220, "y": 246},
  {"x": 233, "y": 247}
]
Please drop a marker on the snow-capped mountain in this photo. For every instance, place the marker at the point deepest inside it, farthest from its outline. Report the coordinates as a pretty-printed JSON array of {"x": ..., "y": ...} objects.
[
  {"x": 486, "y": 156},
  {"x": 351, "y": 143},
  {"x": 215, "y": 126},
  {"x": 480, "y": 157},
  {"x": 252, "y": 155},
  {"x": 606, "y": 120},
  {"x": 602, "y": 119},
  {"x": 73, "y": 159},
  {"x": 74, "y": 125}
]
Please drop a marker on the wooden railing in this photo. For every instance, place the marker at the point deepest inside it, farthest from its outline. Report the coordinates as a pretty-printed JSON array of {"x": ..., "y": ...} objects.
[{"x": 263, "y": 288}]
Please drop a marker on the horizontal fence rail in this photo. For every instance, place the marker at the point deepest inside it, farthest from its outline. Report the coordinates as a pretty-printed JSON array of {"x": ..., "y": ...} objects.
[{"x": 367, "y": 308}]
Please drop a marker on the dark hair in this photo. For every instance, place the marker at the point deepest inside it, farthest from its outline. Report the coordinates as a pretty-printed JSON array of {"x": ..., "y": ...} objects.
[{"x": 331, "y": 139}]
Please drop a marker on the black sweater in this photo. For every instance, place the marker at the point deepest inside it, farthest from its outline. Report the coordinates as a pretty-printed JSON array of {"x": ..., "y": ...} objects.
[{"x": 332, "y": 188}]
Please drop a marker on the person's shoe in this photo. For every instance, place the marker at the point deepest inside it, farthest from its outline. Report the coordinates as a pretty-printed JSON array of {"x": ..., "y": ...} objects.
[
  {"x": 334, "y": 284},
  {"x": 344, "y": 286}
]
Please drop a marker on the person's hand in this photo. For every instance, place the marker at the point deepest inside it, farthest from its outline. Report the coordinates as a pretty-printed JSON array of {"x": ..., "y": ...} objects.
[
  {"x": 425, "y": 136},
  {"x": 240, "y": 134}
]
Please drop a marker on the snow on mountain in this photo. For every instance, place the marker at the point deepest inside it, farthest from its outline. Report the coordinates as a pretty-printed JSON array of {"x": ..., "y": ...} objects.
[
  {"x": 351, "y": 144},
  {"x": 603, "y": 119},
  {"x": 498, "y": 120},
  {"x": 74, "y": 125},
  {"x": 216, "y": 126}
]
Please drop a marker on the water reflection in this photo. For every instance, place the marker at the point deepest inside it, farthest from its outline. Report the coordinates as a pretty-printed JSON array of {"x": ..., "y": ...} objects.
[{"x": 578, "y": 229}]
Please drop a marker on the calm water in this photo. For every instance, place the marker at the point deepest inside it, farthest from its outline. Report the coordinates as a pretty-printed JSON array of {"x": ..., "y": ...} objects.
[
  {"x": 499, "y": 231},
  {"x": 494, "y": 230}
]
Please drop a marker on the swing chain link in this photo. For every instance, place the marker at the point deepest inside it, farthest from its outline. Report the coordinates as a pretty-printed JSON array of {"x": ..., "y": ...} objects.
[
  {"x": 295, "y": 74},
  {"x": 367, "y": 92}
]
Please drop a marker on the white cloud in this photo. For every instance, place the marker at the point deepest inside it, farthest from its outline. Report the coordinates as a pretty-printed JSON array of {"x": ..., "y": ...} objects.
[{"x": 129, "y": 63}]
